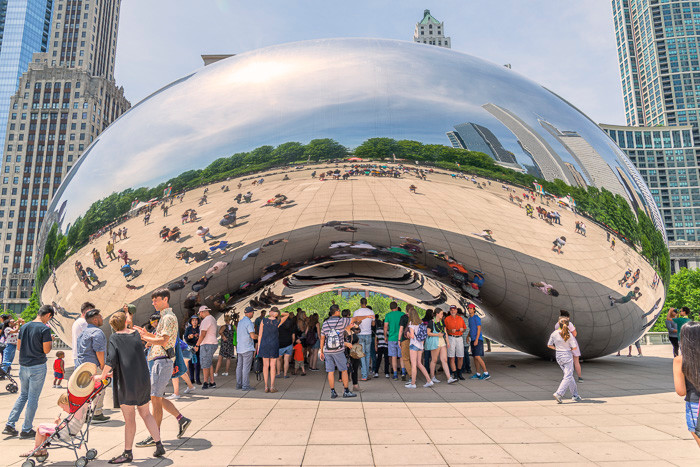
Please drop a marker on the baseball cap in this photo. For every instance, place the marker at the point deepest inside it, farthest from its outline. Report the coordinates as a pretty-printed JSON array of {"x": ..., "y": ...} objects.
[
  {"x": 453, "y": 306},
  {"x": 471, "y": 305},
  {"x": 204, "y": 308},
  {"x": 249, "y": 309},
  {"x": 131, "y": 308}
]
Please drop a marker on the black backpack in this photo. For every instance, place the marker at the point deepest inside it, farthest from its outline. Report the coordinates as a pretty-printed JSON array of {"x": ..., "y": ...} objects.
[{"x": 311, "y": 337}]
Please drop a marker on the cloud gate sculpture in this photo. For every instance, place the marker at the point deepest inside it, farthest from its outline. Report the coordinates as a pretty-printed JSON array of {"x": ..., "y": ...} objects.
[{"x": 262, "y": 149}]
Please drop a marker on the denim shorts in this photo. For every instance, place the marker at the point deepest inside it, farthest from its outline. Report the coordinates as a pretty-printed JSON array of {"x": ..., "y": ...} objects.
[
  {"x": 394, "y": 349},
  {"x": 415, "y": 348},
  {"x": 691, "y": 415},
  {"x": 286, "y": 350},
  {"x": 478, "y": 348},
  {"x": 206, "y": 355}
]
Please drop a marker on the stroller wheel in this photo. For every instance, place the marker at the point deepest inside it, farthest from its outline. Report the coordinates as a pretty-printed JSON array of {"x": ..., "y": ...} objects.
[
  {"x": 11, "y": 388},
  {"x": 81, "y": 462},
  {"x": 28, "y": 463},
  {"x": 91, "y": 454}
]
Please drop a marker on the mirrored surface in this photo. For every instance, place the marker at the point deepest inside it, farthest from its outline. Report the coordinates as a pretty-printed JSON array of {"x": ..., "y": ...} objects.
[{"x": 431, "y": 235}]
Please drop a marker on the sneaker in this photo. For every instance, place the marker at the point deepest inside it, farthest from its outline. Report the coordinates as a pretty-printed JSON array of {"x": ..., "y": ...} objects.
[
  {"x": 100, "y": 418},
  {"x": 205, "y": 386},
  {"x": 216, "y": 374},
  {"x": 347, "y": 394},
  {"x": 148, "y": 442},
  {"x": 485, "y": 376},
  {"x": 640, "y": 355},
  {"x": 435, "y": 380},
  {"x": 249, "y": 388},
  {"x": 27, "y": 434},
  {"x": 395, "y": 377},
  {"x": 576, "y": 399},
  {"x": 239, "y": 387},
  {"x": 410, "y": 386},
  {"x": 376, "y": 375},
  {"x": 459, "y": 376},
  {"x": 580, "y": 380},
  {"x": 452, "y": 380},
  {"x": 10, "y": 431},
  {"x": 212, "y": 385},
  {"x": 403, "y": 376},
  {"x": 476, "y": 376},
  {"x": 428, "y": 384},
  {"x": 224, "y": 374},
  {"x": 314, "y": 369},
  {"x": 557, "y": 398},
  {"x": 172, "y": 397},
  {"x": 184, "y": 423},
  {"x": 160, "y": 451},
  {"x": 334, "y": 395},
  {"x": 189, "y": 390},
  {"x": 386, "y": 375},
  {"x": 408, "y": 383}
]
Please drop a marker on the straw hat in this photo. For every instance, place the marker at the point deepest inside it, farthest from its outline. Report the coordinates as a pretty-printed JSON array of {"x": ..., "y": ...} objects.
[{"x": 81, "y": 383}]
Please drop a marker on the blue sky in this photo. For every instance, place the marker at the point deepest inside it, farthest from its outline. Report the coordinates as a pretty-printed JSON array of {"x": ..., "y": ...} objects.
[{"x": 567, "y": 46}]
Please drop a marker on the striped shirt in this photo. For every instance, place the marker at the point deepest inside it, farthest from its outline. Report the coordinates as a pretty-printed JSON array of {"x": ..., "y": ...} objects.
[{"x": 381, "y": 341}]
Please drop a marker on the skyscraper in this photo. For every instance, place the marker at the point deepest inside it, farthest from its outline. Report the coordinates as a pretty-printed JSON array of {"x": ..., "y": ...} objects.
[
  {"x": 475, "y": 137},
  {"x": 657, "y": 44},
  {"x": 431, "y": 31},
  {"x": 24, "y": 30},
  {"x": 65, "y": 99}
]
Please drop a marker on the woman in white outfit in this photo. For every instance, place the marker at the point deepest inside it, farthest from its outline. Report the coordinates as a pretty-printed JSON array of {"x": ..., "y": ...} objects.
[
  {"x": 562, "y": 341},
  {"x": 577, "y": 351}
]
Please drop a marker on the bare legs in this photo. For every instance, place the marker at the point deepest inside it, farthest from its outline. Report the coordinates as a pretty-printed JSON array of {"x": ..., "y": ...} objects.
[
  {"x": 159, "y": 404},
  {"x": 218, "y": 364},
  {"x": 417, "y": 364},
  {"x": 442, "y": 351},
  {"x": 269, "y": 372},
  {"x": 313, "y": 358},
  {"x": 577, "y": 366},
  {"x": 343, "y": 376},
  {"x": 129, "y": 412}
]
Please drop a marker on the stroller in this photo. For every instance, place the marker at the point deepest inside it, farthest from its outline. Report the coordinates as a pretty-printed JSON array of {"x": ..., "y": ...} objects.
[
  {"x": 74, "y": 441},
  {"x": 12, "y": 386}
]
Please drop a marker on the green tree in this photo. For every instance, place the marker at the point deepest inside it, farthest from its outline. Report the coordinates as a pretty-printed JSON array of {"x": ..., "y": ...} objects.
[
  {"x": 683, "y": 290},
  {"x": 32, "y": 309},
  {"x": 324, "y": 149},
  {"x": 377, "y": 148}
]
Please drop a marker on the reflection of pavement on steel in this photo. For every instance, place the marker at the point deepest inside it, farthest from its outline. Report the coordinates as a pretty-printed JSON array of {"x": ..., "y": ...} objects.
[
  {"x": 630, "y": 416},
  {"x": 444, "y": 217}
]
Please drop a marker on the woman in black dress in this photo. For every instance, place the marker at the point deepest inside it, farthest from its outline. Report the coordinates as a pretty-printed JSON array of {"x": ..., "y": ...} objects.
[
  {"x": 126, "y": 361},
  {"x": 269, "y": 346}
]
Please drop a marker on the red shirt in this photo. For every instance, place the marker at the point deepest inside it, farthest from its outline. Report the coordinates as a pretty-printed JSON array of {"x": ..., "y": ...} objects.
[
  {"x": 454, "y": 325},
  {"x": 298, "y": 353},
  {"x": 58, "y": 365}
]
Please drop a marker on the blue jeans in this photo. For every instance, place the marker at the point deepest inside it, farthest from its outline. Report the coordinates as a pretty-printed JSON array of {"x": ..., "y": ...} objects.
[
  {"x": 8, "y": 355},
  {"x": 31, "y": 380},
  {"x": 366, "y": 341}
]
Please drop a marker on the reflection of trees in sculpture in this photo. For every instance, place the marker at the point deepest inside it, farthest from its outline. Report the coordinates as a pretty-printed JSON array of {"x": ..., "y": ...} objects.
[
  {"x": 321, "y": 303},
  {"x": 601, "y": 205}
]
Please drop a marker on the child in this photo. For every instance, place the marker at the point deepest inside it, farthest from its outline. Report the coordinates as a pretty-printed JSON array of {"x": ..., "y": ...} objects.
[
  {"x": 58, "y": 369},
  {"x": 66, "y": 430},
  {"x": 299, "y": 357}
]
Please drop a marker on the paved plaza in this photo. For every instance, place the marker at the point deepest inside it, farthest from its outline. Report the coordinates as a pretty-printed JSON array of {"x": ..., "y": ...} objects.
[{"x": 630, "y": 416}]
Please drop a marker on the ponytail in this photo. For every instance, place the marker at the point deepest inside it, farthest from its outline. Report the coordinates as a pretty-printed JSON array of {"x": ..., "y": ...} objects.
[{"x": 564, "y": 324}]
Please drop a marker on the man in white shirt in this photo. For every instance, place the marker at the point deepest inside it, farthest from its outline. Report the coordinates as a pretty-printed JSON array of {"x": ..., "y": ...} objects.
[
  {"x": 365, "y": 335},
  {"x": 78, "y": 327}
]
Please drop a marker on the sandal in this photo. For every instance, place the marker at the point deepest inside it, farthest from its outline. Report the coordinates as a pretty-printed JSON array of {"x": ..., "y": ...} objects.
[
  {"x": 273, "y": 389},
  {"x": 41, "y": 453},
  {"x": 267, "y": 390},
  {"x": 123, "y": 458}
]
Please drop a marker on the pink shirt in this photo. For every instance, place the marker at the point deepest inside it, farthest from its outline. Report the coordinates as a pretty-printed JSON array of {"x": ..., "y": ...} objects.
[{"x": 209, "y": 325}]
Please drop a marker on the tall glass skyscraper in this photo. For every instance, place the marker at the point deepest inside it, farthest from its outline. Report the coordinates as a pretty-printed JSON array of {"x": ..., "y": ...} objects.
[
  {"x": 657, "y": 46},
  {"x": 24, "y": 30}
]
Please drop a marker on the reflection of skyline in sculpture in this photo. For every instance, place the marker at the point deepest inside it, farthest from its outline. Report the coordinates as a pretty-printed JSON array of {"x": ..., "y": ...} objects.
[
  {"x": 475, "y": 137},
  {"x": 544, "y": 156},
  {"x": 194, "y": 134},
  {"x": 599, "y": 175},
  {"x": 580, "y": 181}
]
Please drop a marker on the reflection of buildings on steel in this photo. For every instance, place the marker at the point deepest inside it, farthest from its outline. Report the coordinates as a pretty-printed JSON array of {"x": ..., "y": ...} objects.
[
  {"x": 474, "y": 137},
  {"x": 636, "y": 200},
  {"x": 599, "y": 173},
  {"x": 578, "y": 176},
  {"x": 544, "y": 156}
]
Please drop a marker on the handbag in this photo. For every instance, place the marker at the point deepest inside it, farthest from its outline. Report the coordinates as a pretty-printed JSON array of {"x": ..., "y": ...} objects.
[
  {"x": 356, "y": 352},
  {"x": 258, "y": 367}
]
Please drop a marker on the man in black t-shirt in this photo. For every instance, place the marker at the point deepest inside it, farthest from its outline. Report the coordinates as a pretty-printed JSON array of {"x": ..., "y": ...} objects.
[
  {"x": 405, "y": 343},
  {"x": 34, "y": 342}
]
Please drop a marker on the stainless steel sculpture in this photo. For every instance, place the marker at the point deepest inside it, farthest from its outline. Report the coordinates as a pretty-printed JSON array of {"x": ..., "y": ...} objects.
[{"x": 367, "y": 231}]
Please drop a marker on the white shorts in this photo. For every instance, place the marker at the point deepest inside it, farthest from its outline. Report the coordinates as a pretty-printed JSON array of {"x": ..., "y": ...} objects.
[{"x": 456, "y": 348}]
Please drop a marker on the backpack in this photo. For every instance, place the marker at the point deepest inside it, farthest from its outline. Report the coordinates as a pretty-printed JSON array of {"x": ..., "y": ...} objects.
[
  {"x": 334, "y": 340},
  {"x": 310, "y": 339},
  {"x": 422, "y": 332}
]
